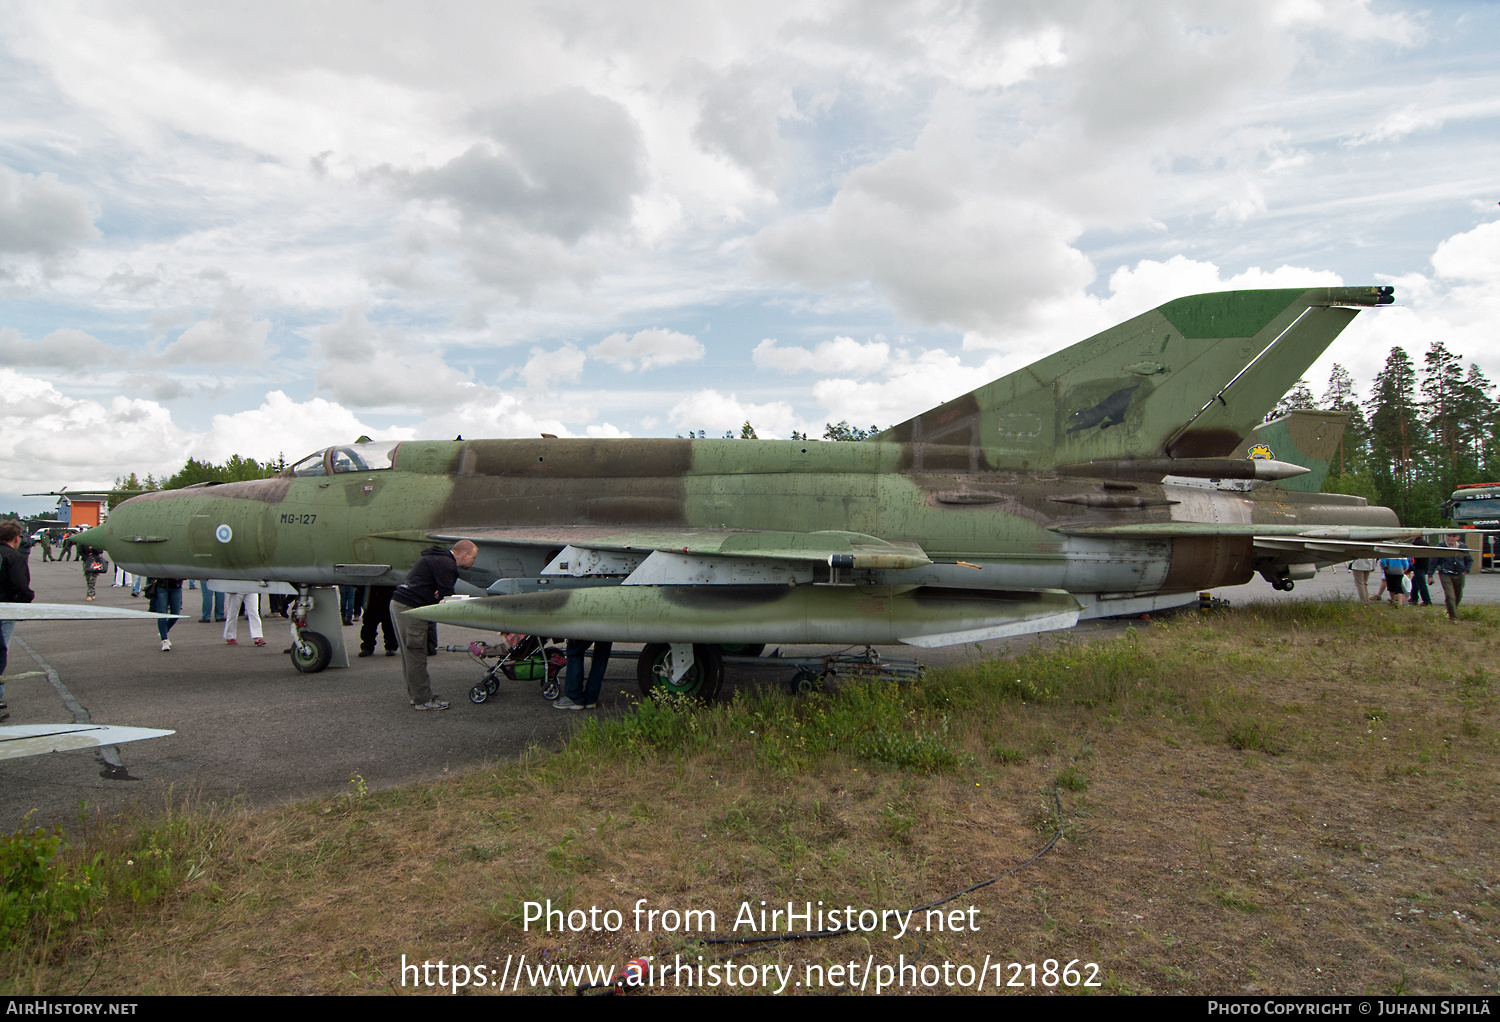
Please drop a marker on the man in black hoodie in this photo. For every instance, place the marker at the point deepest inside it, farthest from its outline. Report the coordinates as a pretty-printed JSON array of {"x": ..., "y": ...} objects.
[
  {"x": 430, "y": 580},
  {"x": 15, "y": 587}
]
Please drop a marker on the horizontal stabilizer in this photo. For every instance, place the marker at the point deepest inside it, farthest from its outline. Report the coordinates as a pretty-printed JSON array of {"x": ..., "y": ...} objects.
[
  {"x": 1290, "y": 543},
  {"x": 1173, "y": 530},
  {"x": 1326, "y": 551},
  {"x": 18, "y": 740},
  {"x": 927, "y": 616}
]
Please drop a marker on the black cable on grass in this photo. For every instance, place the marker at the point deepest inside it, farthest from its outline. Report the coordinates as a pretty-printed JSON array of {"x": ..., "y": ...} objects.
[{"x": 820, "y": 934}]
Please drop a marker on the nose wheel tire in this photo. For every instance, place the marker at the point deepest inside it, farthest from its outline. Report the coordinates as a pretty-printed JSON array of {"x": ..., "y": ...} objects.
[
  {"x": 311, "y": 652},
  {"x": 653, "y": 672}
]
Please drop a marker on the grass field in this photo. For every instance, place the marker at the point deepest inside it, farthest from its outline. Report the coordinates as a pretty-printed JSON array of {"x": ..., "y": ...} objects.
[{"x": 1297, "y": 797}]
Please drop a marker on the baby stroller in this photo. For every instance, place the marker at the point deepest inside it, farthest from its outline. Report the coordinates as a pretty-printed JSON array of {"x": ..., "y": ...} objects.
[{"x": 526, "y": 659}]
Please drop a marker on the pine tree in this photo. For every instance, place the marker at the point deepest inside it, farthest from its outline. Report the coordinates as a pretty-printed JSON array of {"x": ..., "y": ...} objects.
[
  {"x": 1442, "y": 387},
  {"x": 1396, "y": 431},
  {"x": 1354, "y": 446},
  {"x": 1300, "y": 396},
  {"x": 1475, "y": 412}
]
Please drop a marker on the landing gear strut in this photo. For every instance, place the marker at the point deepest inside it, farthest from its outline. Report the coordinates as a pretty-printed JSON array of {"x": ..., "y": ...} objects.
[
  {"x": 310, "y": 651},
  {"x": 1284, "y": 577},
  {"x": 660, "y": 669},
  {"x": 322, "y": 645}
]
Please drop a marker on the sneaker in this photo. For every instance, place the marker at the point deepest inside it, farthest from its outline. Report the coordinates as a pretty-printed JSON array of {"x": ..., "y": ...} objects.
[
  {"x": 166, "y": 645},
  {"x": 367, "y": 652},
  {"x": 564, "y": 703},
  {"x": 231, "y": 642},
  {"x": 590, "y": 706},
  {"x": 260, "y": 642},
  {"x": 432, "y": 704},
  {"x": 391, "y": 652}
]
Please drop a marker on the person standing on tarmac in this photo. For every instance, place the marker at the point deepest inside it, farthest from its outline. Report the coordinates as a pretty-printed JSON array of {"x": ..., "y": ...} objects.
[
  {"x": 430, "y": 580},
  {"x": 166, "y": 598},
  {"x": 15, "y": 587},
  {"x": 378, "y": 618},
  {"x": 1420, "y": 573},
  {"x": 1452, "y": 570}
]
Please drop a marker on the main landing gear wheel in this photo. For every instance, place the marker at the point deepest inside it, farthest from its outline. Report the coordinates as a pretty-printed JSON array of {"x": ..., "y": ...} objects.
[
  {"x": 653, "y": 672},
  {"x": 743, "y": 648},
  {"x": 311, "y": 652},
  {"x": 805, "y": 682}
]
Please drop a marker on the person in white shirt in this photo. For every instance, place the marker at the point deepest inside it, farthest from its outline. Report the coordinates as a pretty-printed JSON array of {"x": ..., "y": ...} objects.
[{"x": 1361, "y": 569}]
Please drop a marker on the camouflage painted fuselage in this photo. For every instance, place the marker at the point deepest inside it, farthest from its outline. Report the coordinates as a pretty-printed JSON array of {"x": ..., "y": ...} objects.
[
  {"x": 298, "y": 529},
  {"x": 1016, "y": 507}
]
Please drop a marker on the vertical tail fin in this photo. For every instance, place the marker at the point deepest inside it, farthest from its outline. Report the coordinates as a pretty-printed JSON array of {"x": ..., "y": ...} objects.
[{"x": 1187, "y": 379}]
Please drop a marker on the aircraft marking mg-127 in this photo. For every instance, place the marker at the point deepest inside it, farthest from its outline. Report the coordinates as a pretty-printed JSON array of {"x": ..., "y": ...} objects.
[{"x": 1072, "y": 488}]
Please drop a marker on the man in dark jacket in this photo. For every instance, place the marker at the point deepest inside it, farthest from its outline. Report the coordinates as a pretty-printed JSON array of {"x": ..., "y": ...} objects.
[
  {"x": 15, "y": 587},
  {"x": 1452, "y": 570},
  {"x": 430, "y": 580}
]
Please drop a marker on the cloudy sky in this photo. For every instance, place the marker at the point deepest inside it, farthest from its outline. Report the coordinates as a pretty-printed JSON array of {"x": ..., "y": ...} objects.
[{"x": 262, "y": 229}]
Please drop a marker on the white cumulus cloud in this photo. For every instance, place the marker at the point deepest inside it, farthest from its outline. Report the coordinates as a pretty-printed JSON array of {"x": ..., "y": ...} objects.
[
  {"x": 840, "y": 355},
  {"x": 647, "y": 349},
  {"x": 716, "y": 413}
]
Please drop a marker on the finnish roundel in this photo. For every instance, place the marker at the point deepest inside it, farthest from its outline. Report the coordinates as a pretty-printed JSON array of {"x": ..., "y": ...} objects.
[{"x": 223, "y": 534}]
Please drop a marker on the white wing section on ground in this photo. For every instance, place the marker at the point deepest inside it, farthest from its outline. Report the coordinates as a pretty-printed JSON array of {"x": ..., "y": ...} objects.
[
  {"x": 74, "y": 612},
  {"x": 17, "y": 740}
]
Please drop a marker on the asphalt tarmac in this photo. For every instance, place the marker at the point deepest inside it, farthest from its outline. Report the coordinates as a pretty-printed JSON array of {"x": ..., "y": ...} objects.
[{"x": 253, "y": 731}]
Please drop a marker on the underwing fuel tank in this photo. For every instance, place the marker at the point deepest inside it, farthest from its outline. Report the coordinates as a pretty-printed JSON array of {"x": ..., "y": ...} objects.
[{"x": 922, "y": 616}]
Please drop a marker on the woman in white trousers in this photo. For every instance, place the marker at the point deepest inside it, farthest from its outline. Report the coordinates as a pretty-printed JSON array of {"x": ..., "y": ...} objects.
[{"x": 232, "y": 603}]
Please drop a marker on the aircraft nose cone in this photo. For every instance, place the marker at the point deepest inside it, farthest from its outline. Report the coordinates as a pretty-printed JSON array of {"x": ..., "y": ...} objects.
[{"x": 99, "y": 536}]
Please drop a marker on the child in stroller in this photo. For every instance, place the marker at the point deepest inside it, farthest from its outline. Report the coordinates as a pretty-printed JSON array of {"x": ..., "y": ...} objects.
[{"x": 518, "y": 658}]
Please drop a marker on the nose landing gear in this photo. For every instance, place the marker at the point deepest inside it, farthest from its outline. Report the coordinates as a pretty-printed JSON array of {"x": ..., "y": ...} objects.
[{"x": 321, "y": 645}]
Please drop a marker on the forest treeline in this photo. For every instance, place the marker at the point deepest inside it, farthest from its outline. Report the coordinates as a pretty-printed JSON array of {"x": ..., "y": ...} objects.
[
  {"x": 234, "y": 470},
  {"x": 1420, "y": 433}
]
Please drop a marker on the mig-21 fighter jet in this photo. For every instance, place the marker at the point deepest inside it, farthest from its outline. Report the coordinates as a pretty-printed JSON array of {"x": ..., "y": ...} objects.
[{"x": 1051, "y": 494}]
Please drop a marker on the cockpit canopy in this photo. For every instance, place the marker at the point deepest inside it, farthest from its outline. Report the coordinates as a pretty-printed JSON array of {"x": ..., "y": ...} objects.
[{"x": 367, "y": 457}]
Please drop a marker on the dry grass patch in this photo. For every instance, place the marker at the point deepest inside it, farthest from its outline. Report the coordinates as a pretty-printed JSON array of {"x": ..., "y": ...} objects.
[{"x": 1287, "y": 798}]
